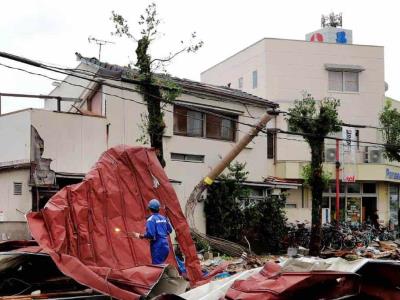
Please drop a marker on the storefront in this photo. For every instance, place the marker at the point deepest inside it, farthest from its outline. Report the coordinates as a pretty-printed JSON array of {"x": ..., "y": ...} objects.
[
  {"x": 394, "y": 190},
  {"x": 357, "y": 202}
]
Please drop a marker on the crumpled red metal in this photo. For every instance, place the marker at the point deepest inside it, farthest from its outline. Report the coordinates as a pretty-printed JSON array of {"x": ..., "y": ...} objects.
[
  {"x": 272, "y": 284},
  {"x": 85, "y": 227}
]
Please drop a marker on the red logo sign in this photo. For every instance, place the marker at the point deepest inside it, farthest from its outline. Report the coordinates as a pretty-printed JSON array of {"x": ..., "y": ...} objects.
[
  {"x": 350, "y": 179},
  {"x": 317, "y": 37}
]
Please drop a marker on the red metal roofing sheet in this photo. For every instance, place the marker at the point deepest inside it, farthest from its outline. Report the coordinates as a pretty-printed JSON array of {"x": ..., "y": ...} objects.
[
  {"x": 272, "y": 284},
  {"x": 84, "y": 226}
]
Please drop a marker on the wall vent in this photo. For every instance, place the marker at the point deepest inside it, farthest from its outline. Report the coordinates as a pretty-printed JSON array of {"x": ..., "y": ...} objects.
[{"x": 18, "y": 188}]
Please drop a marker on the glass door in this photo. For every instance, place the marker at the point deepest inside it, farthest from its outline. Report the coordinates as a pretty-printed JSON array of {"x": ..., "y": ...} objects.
[{"x": 353, "y": 209}]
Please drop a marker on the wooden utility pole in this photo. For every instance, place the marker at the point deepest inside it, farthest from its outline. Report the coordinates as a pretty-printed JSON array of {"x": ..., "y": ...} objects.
[{"x": 220, "y": 167}]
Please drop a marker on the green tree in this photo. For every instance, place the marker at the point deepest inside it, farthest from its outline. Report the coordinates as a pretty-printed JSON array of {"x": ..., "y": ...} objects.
[
  {"x": 265, "y": 223},
  {"x": 155, "y": 89},
  {"x": 315, "y": 120},
  {"x": 235, "y": 216},
  {"x": 224, "y": 203},
  {"x": 390, "y": 121}
]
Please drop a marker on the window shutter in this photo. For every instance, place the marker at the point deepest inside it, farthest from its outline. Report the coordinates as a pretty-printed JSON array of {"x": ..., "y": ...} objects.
[
  {"x": 350, "y": 81},
  {"x": 335, "y": 81}
]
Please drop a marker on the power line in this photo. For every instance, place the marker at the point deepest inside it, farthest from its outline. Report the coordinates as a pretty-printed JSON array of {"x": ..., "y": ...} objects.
[
  {"x": 23, "y": 60},
  {"x": 124, "y": 98},
  {"x": 341, "y": 123}
]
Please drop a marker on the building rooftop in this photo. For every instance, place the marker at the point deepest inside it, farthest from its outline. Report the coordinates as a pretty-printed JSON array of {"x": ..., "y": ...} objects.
[{"x": 225, "y": 93}]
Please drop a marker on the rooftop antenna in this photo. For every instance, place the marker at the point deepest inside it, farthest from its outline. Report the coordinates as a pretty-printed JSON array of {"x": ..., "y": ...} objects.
[
  {"x": 99, "y": 42},
  {"x": 332, "y": 20}
]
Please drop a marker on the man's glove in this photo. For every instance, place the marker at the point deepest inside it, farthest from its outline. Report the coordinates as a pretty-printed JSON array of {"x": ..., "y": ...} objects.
[{"x": 135, "y": 235}]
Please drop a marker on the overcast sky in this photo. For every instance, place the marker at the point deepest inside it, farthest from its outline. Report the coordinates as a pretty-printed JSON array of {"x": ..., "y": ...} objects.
[{"x": 52, "y": 31}]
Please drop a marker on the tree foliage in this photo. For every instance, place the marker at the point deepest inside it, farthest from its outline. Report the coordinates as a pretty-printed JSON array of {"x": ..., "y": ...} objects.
[
  {"x": 390, "y": 121},
  {"x": 306, "y": 175},
  {"x": 157, "y": 90},
  {"x": 315, "y": 119},
  {"x": 233, "y": 215}
]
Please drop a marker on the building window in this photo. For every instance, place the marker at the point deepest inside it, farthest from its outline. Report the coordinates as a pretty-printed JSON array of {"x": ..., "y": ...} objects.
[
  {"x": 255, "y": 79},
  {"x": 358, "y": 139},
  {"x": 343, "y": 81},
  {"x": 240, "y": 83},
  {"x": 199, "y": 124},
  {"x": 17, "y": 188},
  {"x": 369, "y": 188},
  {"x": 187, "y": 122},
  {"x": 270, "y": 144},
  {"x": 187, "y": 157},
  {"x": 353, "y": 188}
]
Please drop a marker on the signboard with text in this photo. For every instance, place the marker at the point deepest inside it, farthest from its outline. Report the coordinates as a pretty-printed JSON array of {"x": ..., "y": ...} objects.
[{"x": 349, "y": 166}]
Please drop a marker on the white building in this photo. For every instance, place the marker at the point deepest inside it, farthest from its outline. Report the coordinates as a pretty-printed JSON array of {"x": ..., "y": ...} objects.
[
  {"x": 326, "y": 64},
  {"x": 45, "y": 149}
]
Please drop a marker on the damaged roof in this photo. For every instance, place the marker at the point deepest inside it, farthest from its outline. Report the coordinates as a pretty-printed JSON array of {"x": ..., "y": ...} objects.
[
  {"x": 224, "y": 93},
  {"x": 86, "y": 227}
]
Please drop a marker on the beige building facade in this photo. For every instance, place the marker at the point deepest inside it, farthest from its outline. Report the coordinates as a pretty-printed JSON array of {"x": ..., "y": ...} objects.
[{"x": 281, "y": 70}]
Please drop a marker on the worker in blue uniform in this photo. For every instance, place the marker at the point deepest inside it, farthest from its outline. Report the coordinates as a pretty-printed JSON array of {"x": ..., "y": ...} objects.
[{"x": 158, "y": 229}]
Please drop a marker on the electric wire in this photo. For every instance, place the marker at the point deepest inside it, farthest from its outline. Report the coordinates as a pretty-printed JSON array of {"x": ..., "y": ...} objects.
[{"x": 191, "y": 107}]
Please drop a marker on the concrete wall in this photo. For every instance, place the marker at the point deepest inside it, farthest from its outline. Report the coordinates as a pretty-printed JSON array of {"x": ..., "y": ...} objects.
[
  {"x": 14, "y": 206},
  {"x": 123, "y": 116},
  {"x": 68, "y": 90},
  {"x": 74, "y": 142},
  {"x": 241, "y": 65},
  {"x": 288, "y": 67},
  {"x": 15, "y": 133}
]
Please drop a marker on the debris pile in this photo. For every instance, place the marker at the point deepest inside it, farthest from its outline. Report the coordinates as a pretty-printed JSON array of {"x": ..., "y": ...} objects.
[
  {"x": 375, "y": 250},
  {"x": 85, "y": 227},
  {"x": 338, "y": 236}
]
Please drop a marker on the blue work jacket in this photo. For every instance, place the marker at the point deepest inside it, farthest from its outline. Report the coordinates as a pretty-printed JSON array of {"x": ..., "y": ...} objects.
[{"x": 157, "y": 230}]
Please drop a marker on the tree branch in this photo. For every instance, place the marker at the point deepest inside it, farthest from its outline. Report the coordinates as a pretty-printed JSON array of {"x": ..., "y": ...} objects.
[{"x": 171, "y": 57}]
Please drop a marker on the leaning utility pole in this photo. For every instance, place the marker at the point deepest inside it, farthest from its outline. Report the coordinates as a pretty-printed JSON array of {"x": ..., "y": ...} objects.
[{"x": 220, "y": 167}]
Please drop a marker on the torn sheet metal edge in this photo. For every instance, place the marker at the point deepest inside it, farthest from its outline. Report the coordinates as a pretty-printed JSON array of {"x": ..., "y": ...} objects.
[
  {"x": 217, "y": 289},
  {"x": 340, "y": 264}
]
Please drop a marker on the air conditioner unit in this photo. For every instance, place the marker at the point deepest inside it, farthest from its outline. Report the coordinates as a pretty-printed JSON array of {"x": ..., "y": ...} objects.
[
  {"x": 330, "y": 155},
  {"x": 374, "y": 156}
]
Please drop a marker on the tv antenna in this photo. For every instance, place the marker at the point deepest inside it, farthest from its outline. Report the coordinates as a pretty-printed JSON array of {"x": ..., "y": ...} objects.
[
  {"x": 332, "y": 20},
  {"x": 99, "y": 42}
]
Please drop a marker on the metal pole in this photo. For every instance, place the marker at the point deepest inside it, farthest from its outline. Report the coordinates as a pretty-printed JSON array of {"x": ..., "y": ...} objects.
[{"x": 337, "y": 182}]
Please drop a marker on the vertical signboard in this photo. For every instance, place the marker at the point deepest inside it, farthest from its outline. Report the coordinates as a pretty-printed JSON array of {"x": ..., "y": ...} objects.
[{"x": 349, "y": 166}]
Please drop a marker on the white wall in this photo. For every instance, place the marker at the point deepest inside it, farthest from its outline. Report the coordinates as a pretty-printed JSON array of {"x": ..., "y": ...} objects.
[
  {"x": 69, "y": 90},
  {"x": 287, "y": 67},
  {"x": 15, "y": 133},
  {"x": 74, "y": 142},
  {"x": 14, "y": 206}
]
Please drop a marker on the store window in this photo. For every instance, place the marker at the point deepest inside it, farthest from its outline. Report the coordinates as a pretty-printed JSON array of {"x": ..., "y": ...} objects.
[
  {"x": 353, "y": 188},
  {"x": 369, "y": 188},
  {"x": 394, "y": 203},
  {"x": 341, "y": 187}
]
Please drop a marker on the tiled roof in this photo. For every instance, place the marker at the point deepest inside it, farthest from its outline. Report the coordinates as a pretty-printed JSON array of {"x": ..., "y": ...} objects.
[{"x": 189, "y": 86}]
